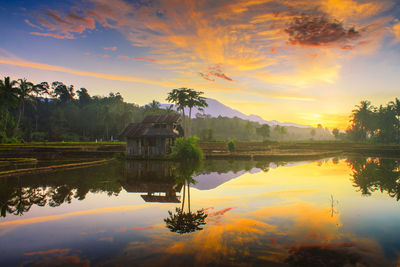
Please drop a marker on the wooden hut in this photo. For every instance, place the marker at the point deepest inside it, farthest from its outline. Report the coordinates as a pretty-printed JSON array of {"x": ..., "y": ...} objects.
[{"x": 153, "y": 137}]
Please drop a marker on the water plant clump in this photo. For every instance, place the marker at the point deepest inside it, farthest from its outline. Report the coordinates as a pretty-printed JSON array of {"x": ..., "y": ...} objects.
[
  {"x": 232, "y": 145},
  {"x": 187, "y": 149}
]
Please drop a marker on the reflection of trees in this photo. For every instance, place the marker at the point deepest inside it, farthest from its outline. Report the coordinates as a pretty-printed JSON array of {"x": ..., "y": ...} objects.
[
  {"x": 344, "y": 254},
  {"x": 370, "y": 175},
  {"x": 185, "y": 222},
  {"x": 18, "y": 195}
]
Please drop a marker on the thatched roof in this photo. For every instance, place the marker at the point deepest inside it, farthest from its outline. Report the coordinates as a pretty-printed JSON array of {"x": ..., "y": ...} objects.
[
  {"x": 164, "y": 118},
  {"x": 136, "y": 130}
]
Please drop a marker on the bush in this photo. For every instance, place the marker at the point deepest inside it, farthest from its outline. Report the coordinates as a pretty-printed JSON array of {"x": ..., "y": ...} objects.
[
  {"x": 39, "y": 136},
  {"x": 232, "y": 145},
  {"x": 186, "y": 149},
  {"x": 70, "y": 137},
  {"x": 8, "y": 140}
]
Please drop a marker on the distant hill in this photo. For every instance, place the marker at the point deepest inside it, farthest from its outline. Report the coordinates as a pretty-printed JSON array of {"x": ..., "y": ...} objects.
[{"x": 216, "y": 108}]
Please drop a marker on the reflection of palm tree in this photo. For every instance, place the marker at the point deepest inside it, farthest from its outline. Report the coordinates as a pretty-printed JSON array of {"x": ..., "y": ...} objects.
[
  {"x": 185, "y": 222},
  {"x": 370, "y": 175}
]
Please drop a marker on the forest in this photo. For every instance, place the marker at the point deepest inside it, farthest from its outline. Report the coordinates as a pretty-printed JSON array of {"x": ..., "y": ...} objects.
[
  {"x": 375, "y": 124},
  {"x": 57, "y": 112}
]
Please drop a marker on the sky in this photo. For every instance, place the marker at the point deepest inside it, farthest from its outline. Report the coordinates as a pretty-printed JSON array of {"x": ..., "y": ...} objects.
[{"x": 303, "y": 61}]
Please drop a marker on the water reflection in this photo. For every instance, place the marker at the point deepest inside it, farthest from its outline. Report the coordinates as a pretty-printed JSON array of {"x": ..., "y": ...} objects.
[
  {"x": 236, "y": 212},
  {"x": 156, "y": 178},
  {"x": 372, "y": 174},
  {"x": 19, "y": 194},
  {"x": 162, "y": 181},
  {"x": 180, "y": 221}
]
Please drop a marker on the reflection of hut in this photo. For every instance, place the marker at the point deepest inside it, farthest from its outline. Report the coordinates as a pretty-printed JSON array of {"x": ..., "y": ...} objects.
[
  {"x": 154, "y": 136},
  {"x": 154, "y": 178}
]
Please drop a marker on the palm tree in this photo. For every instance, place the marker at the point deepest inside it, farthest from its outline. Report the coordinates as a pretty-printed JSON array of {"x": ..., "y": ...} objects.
[
  {"x": 153, "y": 107},
  {"x": 66, "y": 94},
  {"x": 396, "y": 107},
  {"x": 185, "y": 97},
  {"x": 179, "y": 98},
  {"x": 362, "y": 118},
  {"x": 24, "y": 92},
  {"x": 8, "y": 98},
  {"x": 195, "y": 100}
]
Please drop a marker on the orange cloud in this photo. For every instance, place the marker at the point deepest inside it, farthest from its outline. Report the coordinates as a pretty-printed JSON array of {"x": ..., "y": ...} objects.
[
  {"x": 32, "y": 25},
  {"x": 142, "y": 228},
  {"x": 52, "y": 251},
  {"x": 396, "y": 31},
  {"x": 145, "y": 59},
  {"x": 57, "y": 36},
  {"x": 215, "y": 71},
  {"x": 247, "y": 37},
  {"x": 112, "y": 48},
  {"x": 40, "y": 66}
]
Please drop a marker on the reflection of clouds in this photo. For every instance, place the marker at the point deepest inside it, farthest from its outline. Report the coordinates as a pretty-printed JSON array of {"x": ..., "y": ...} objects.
[
  {"x": 269, "y": 234},
  {"x": 67, "y": 215},
  {"x": 142, "y": 228},
  {"x": 107, "y": 239},
  {"x": 341, "y": 254},
  {"x": 55, "y": 257},
  {"x": 52, "y": 251}
]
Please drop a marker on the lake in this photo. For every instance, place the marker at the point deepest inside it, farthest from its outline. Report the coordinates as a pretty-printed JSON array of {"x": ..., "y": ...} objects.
[{"x": 328, "y": 212}]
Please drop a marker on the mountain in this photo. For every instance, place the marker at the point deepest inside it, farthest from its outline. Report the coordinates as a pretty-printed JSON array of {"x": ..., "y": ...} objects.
[{"x": 216, "y": 108}]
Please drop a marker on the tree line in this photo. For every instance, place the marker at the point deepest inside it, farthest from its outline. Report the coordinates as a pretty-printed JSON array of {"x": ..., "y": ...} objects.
[
  {"x": 373, "y": 124},
  {"x": 56, "y": 112}
]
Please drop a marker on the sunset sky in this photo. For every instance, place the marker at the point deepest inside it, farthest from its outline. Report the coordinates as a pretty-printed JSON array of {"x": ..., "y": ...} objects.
[{"x": 305, "y": 61}]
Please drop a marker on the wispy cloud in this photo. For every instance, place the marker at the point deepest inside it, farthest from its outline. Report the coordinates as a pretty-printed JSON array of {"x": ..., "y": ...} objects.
[
  {"x": 47, "y": 252},
  {"x": 57, "y": 36},
  {"x": 213, "y": 72},
  {"x": 264, "y": 38},
  {"x": 111, "y": 48},
  {"x": 33, "y": 25},
  {"x": 145, "y": 59},
  {"x": 41, "y": 66}
]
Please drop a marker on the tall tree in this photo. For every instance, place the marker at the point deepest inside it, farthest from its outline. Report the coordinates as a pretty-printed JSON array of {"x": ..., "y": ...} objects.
[
  {"x": 264, "y": 131},
  {"x": 362, "y": 118},
  {"x": 83, "y": 96},
  {"x": 396, "y": 108},
  {"x": 8, "y": 99},
  {"x": 179, "y": 97},
  {"x": 24, "y": 93},
  {"x": 64, "y": 93},
  {"x": 194, "y": 99}
]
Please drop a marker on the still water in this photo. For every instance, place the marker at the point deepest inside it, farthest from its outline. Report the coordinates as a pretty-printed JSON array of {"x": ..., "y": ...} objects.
[{"x": 330, "y": 212}]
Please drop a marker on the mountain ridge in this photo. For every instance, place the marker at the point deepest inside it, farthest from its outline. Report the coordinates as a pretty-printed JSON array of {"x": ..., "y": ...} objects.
[{"x": 216, "y": 108}]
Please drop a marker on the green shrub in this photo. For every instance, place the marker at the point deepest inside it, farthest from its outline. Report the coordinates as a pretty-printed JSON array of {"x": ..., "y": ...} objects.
[
  {"x": 70, "y": 137},
  {"x": 39, "y": 136},
  {"x": 232, "y": 145},
  {"x": 186, "y": 149},
  {"x": 8, "y": 140}
]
